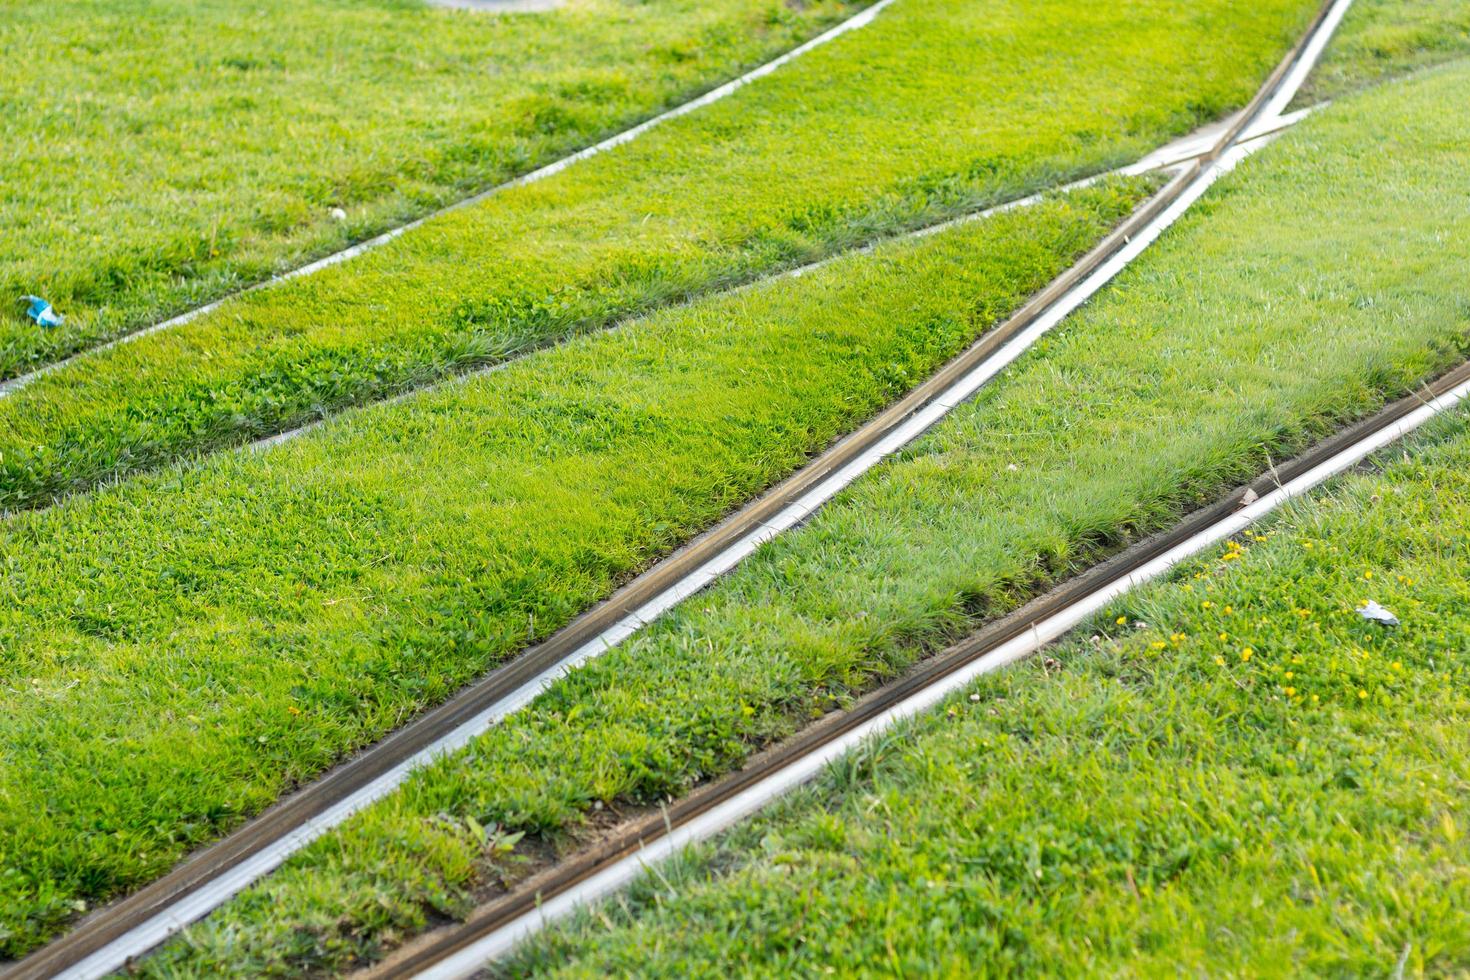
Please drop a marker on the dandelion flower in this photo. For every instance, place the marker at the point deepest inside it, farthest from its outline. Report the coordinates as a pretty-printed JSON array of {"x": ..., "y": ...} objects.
[
  {"x": 1121, "y": 620},
  {"x": 1362, "y": 694},
  {"x": 1247, "y": 653}
]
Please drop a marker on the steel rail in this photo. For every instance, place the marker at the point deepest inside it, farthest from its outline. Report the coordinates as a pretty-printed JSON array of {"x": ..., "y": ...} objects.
[{"x": 117, "y": 933}]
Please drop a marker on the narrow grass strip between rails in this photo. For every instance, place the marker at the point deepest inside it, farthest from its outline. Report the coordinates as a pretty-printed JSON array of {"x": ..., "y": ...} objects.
[
  {"x": 1236, "y": 746},
  {"x": 935, "y": 110},
  {"x": 855, "y": 22},
  {"x": 275, "y": 610},
  {"x": 155, "y": 163},
  {"x": 1170, "y": 159},
  {"x": 1241, "y": 338}
]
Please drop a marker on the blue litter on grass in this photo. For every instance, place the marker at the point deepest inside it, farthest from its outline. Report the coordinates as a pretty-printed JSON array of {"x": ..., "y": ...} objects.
[{"x": 42, "y": 312}]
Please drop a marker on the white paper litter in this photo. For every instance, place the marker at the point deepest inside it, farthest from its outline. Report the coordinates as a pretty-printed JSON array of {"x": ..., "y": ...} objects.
[{"x": 1375, "y": 612}]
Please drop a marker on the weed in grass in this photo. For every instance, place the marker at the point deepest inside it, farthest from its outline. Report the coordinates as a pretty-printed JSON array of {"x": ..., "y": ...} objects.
[
  {"x": 936, "y": 108},
  {"x": 1161, "y": 804},
  {"x": 182, "y": 647},
  {"x": 1242, "y": 336},
  {"x": 159, "y": 155}
]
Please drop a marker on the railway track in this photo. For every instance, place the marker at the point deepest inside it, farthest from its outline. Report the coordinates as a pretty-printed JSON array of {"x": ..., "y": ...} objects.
[
  {"x": 495, "y": 928},
  {"x": 115, "y": 934}
]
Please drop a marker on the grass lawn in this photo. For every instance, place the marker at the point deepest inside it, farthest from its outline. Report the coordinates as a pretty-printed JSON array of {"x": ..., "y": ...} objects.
[
  {"x": 1256, "y": 783},
  {"x": 159, "y": 153},
  {"x": 1241, "y": 337},
  {"x": 182, "y": 647},
  {"x": 1381, "y": 39},
  {"x": 935, "y": 108}
]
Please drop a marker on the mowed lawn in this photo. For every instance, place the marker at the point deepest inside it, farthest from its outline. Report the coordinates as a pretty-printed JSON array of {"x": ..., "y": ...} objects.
[
  {"x": 1230, "y": 774},
  {"x": 159, "y": 153},
  {"x": 935, "y": 109},
  {"x": 1243, "y": 336}
]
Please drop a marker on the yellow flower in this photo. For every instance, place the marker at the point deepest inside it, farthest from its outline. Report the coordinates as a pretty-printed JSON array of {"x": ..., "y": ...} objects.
[
  {"x": 1228, "y": 610},
  {"x": 1291, "y": 692},
  {"x": 1207, "y": 604},
  {"x": 1158, "y": 644},
  {"x": 1290, "y": 674},
  {"x": 1367, "y": 574},
  {"x": 1247, "y": 653},
  {"x": 1121, "y": 620},
  {"x": 1220, "y": 661},
  {"x": 1362, "y": 694},
  {"x": 1224, "y": 636}
]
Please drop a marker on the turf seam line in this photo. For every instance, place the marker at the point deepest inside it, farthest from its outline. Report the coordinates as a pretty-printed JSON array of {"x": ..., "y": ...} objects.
[{"x": 857, "y": 21}]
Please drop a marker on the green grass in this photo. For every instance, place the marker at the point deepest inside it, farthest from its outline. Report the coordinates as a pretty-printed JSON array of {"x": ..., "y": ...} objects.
[
  {"x": 1241, "y": 337},
  {"x": 934, "y": 109},
  {"x": 1155, "y": 804},
  {"x": 160, "y": 153},
  {"x": 1381, "y": 39},
  {"x": 184, "y": 646}
]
